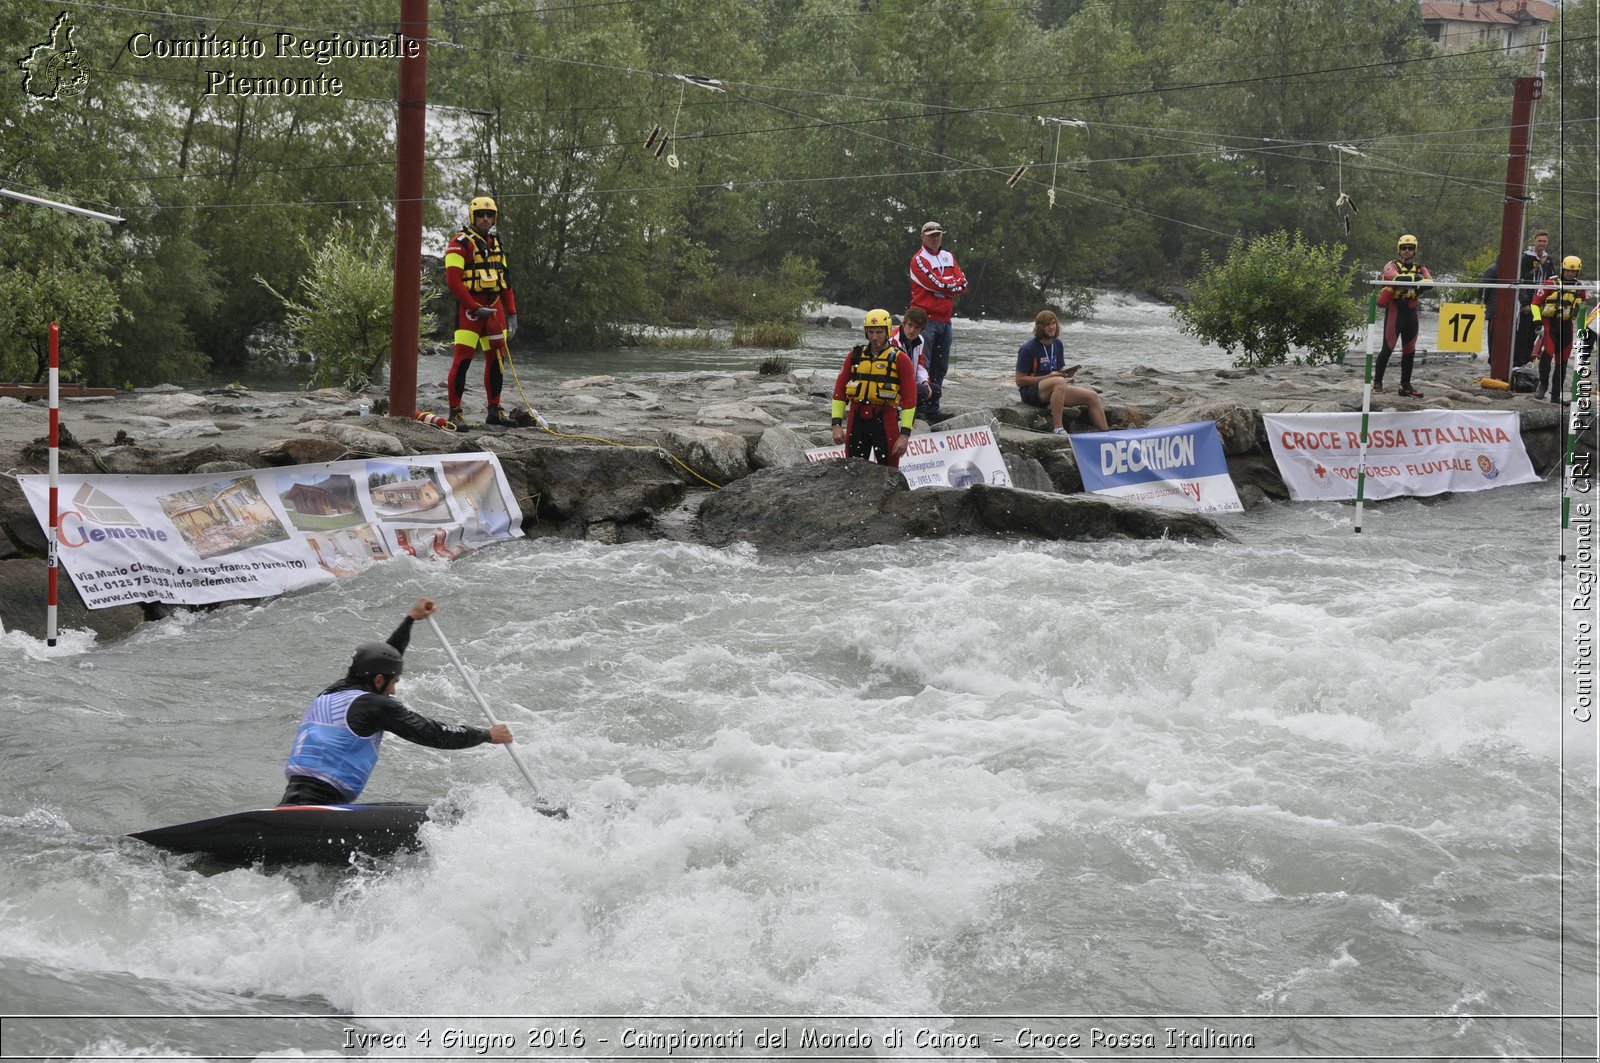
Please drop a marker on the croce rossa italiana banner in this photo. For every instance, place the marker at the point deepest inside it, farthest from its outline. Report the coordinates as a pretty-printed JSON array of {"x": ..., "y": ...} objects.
[{"x": 1426, "y": 452}]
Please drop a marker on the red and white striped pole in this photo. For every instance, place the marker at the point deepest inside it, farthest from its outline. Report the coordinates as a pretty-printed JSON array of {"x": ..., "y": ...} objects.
[{"x": 55, "y": 476}]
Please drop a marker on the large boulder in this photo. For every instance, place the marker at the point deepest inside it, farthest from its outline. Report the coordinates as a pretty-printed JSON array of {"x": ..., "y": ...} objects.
[
  {"x": 581, "y": 485},
  {"x": 23, "y": 589},
  {"x": 17, "y": 519},
  {"x": 1033, "y": 514},
  {"x": 824, "y": 505},
  {"x": 301, "y": 450},
  {"x": 719, "y": 456},
  {"x": 780, "y": 446},
  {"x": 1236, "y": 423},
  {"x": 842, "y": 504},
  {"x": 729, "y": 414}
]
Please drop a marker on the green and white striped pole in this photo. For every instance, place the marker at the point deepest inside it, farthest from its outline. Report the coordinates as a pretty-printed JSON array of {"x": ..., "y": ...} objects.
[{"x": 1366, "y": 404}]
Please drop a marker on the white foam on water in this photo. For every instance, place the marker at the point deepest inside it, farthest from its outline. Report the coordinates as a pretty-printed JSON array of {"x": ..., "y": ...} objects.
[{"x": 932, "y": 778}]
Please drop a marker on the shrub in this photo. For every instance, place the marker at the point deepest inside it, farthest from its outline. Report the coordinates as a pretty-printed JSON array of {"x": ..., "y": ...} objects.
[
  {"x": 1272, "y": 295},
  {"x": 768, "y": 334},
  {"x": 777, "y": 365},
  {"x": 344, "y": 317}
]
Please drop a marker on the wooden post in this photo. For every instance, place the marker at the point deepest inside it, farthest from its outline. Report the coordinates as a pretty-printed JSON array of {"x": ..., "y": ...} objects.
[
  {"x": 1506, "y": 307},
  {"x": 410, "y": 137}
]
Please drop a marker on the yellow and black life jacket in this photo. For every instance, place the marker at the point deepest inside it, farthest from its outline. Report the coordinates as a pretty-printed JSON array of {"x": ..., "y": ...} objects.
[
  {"x": 1563, "y": 300},
  {"x": 1408, "y": 272},
  {"x": 486, "y": 272},
  {"x": 874, "y": 378}
]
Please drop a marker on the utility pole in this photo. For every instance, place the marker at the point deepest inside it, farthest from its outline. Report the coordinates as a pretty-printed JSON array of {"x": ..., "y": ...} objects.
[
  {"x": 1528, "y": 89},
  {"x": 410, "y": 137}
]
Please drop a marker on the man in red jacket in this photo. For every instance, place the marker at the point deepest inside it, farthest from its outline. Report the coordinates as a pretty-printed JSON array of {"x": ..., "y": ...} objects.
[
  {"x": 475, "y": 270},
  {"x": 936, "y": 280}
]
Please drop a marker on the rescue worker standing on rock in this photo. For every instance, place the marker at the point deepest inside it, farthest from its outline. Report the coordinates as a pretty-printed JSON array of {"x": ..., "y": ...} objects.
[
  {"x": 875, "y": 396},
  {"x": 1559, "y": 306},
  {"x": 1399, "y": 302},
  {"x": 475, "y": 270}
]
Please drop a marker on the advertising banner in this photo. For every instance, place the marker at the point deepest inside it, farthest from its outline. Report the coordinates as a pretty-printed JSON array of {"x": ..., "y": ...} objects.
[
  {"x": 958, "y": 458},
  {"x": 1426, "y": 452},
  {"x": 1179, "y": 467},
  {"x": 217, "y": 537}
]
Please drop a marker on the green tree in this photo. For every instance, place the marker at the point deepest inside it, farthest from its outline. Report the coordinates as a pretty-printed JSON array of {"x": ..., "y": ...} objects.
[
  {"x": 51, "y": 270},
  {"x": 1272, "y": 295},
  {"x": 341, "y": 323}
]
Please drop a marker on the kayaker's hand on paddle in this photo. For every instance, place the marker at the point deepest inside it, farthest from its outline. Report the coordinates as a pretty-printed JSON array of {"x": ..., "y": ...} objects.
[
  {"x": 423, "y": 609},
  {"x": 499, "y": 734}
]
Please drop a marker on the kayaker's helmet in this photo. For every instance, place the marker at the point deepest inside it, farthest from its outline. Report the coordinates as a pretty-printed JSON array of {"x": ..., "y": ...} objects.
[
  {"x": 1572, "y": 262},
  {"x": 1407, "y": 241},
  {"x": 877, "y": 319},
  {"x": 376, "y": 658},
  {"x": 482, "y": 203}
]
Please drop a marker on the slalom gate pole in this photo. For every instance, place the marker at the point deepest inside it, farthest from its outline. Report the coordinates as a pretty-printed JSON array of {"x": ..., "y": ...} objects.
[
  {"x": 55, "y": 483},
  {"x": 1366, "y": 405},
  {"x": 482, "y": 704}
]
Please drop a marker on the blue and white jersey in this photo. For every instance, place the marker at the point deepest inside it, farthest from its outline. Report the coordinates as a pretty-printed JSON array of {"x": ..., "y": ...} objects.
[{"x": 325, "y": 748}]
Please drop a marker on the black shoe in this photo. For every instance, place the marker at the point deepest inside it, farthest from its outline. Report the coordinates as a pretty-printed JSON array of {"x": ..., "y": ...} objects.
[
  {"x": 1377, "y": 388},
  {"x": 1410, "y": 392},
  {"x": 457, "y": 419},
  {"x": 498, "y": 419}
]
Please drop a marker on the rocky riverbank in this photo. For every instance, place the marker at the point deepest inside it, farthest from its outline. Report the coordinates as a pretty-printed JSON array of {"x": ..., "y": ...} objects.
[{"x": 711, "y": 457}]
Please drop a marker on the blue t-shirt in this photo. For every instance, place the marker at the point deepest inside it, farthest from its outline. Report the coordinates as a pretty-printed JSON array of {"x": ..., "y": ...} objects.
[{"x": 1035, "y": 359}]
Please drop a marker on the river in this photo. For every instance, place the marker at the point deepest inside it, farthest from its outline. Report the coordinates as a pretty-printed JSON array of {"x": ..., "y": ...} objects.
[{"x": 1309, "y": 795}]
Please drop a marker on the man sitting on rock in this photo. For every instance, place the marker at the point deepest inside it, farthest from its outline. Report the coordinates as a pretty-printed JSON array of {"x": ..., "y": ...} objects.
[{"x": 1042, "y": 377}]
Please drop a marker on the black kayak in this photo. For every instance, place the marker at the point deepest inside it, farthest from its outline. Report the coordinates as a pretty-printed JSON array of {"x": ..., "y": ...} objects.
[{"x": 296, "y": 834}]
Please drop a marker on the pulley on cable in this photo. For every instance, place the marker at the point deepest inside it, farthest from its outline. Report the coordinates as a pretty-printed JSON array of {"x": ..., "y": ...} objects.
[
  {"x": 655, "y": 144},
  {"x": 1056, "y": 162},
  {"x": 1344, "y": 204}
]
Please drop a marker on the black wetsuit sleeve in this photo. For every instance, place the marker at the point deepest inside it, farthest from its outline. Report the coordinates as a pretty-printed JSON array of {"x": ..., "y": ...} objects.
[
  {"x": 402, "y": 635},
  {"x": 371, "y": 713}
]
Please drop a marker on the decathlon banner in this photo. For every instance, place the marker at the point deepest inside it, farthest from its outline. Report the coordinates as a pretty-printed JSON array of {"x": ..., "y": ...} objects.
[
  {"x": 1180, "y": 467},
  {"x": 1427, "y": 452},
  {"x": 217, "y": 537},
  {"x": 958, "y": 458}
]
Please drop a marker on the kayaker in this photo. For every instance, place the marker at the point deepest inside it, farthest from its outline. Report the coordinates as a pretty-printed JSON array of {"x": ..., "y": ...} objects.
[{"x": 337, "y": 744}]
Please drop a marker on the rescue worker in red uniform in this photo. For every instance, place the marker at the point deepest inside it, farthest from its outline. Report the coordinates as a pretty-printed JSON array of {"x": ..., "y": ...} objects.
[
  {"x": 1399, "y": 304},
  {"x": 875, "y": 396},
  {"x": 1559, "y": 305},
  {"x": 475, "y": 270}
]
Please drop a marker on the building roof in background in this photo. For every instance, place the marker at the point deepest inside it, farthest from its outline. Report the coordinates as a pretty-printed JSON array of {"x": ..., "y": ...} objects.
[{"x": 1493, "y": 12}]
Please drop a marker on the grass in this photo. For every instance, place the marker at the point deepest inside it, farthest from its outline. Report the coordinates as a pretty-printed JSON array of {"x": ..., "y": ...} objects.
[{"x": 772, "y": 335}]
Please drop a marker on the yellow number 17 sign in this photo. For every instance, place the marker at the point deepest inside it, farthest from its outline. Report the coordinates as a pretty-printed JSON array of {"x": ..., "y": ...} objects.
[{"x": 1460, "y": 327}]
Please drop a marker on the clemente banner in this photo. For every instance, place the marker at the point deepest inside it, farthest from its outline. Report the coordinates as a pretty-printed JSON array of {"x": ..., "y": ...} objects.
[
  {"x": 217, "y": 537},
  {"x": 958, "y": 458},
  {"x": 1427, "y": 452},
  {"x": 1179, "y": 467}
]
